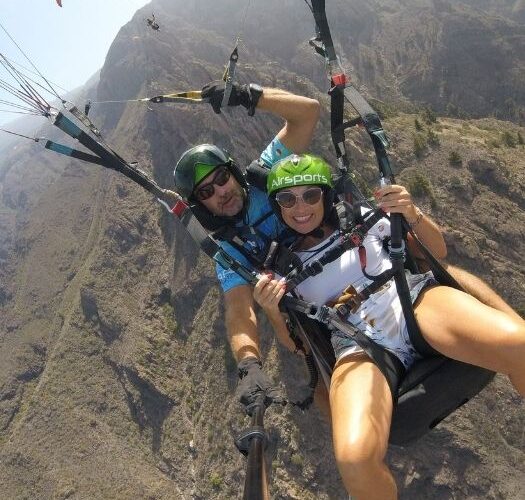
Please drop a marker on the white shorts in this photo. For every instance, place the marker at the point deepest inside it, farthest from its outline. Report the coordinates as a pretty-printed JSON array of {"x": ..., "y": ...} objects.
[{"x": 381, "y": 318}]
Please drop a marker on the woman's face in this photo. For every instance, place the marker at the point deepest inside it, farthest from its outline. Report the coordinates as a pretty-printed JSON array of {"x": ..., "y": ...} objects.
[{"x": 302, "y": 217}]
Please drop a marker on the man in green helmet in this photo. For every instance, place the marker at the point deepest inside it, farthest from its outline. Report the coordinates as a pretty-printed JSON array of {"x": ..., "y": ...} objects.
[{"x": 212, "y": 182}]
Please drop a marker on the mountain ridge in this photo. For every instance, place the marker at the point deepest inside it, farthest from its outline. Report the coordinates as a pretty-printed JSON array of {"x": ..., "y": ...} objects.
[{"x": 114, "y": 352}]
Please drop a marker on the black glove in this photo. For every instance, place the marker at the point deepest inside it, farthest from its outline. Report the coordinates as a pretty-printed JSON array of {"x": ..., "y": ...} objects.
[
  {"x": 254, "y": 384},
  {"x": 240, "y": 95}
]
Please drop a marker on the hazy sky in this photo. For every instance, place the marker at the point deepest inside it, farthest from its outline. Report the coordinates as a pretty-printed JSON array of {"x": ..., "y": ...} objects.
[{"x": 66, "y": 44}]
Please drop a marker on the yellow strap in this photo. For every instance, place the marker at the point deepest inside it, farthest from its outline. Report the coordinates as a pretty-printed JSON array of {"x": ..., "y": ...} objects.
[
  {"x": 349, "y": 294},
  {"x": 190, "y": 97}
]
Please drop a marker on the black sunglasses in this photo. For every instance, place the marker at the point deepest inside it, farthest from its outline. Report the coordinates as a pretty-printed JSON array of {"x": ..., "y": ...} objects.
[
  {"x": 287, "y": 199},
  {"x": 221, "y": 177}
]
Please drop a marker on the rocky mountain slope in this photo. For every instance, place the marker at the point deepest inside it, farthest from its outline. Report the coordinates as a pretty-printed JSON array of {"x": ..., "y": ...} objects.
[
  {"x": 436, "y": 52},
  {"x": 115, "y": 376}
]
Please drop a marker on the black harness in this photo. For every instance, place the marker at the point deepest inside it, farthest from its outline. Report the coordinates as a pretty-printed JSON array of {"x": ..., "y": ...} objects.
[
  {"x": 430, "y": 390},
  {"x": 279, "y": 259},
  {"x": 342, "y": 90}
]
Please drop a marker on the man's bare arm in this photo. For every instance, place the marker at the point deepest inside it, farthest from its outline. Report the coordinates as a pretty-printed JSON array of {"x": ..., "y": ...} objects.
[
  {"x": 300, "y": 113},
  {"x": 241, "y": 322}
]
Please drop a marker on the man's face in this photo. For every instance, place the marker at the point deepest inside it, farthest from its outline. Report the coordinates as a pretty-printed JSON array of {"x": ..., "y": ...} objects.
[{"x": 227, "y": 200}]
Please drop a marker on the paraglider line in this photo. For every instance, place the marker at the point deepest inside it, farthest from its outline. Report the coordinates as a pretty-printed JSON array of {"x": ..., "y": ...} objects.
[
  {"x": 30, "y": 62},
  {"x": 33, "y": 73}
]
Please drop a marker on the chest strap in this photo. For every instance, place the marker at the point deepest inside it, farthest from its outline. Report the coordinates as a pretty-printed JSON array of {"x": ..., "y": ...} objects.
[{"x": 352, "y": 238}]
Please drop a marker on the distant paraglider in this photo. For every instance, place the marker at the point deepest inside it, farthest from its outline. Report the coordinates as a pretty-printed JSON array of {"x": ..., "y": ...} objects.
[
  {"x": 152, "y": 23},
  {"x": 59, "y": 2}
]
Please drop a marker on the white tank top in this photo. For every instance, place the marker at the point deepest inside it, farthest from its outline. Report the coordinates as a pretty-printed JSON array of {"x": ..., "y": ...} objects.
[{"x": 346, "y": 270}]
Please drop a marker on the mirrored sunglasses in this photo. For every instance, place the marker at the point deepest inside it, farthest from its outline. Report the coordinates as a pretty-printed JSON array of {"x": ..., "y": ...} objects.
[
  {"x": 221, "y": 177},
  {"x": 287, "y": 199}
]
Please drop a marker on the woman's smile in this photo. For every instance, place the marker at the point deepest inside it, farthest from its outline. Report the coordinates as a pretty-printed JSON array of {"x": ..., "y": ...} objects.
[{"x": 303, "y": 217}]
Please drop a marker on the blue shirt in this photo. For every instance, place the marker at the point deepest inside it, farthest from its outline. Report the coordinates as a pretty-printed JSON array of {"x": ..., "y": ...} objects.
[{"x": 270, "y": 228}]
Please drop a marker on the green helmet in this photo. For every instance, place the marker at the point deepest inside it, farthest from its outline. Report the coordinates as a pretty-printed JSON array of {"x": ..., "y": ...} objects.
[
  {"x": 299, "y": 170},
  {"x": 195, "y": 164}
]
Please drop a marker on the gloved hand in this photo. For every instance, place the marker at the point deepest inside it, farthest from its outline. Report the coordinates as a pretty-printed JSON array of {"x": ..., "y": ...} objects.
[
  {"x": 214, "y": 91},
  {"x": 253, "y": 384}
]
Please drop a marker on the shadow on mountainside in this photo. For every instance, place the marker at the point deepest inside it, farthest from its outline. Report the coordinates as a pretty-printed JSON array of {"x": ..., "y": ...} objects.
[{"x": 148, "y": 407}]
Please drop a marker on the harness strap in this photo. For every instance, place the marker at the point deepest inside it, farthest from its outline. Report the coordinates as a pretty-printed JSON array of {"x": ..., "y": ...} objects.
[
  {"x": 108, "y": 158},
  {"x": 273, "y": 255},
  {"x": 73, "y": 153},
  {"x": 350, "y": 300},
  {"x": 228, "y": 76},
  {"x": 387, "y": 362},
  {"x": 309, "y": 359},
  {"x": 352, "y": 238},
  {"x": 342, "y": 89},
  {"x": 189, "y": 97},
  {"x": 256, "y": 174},
  {"x": 440, "y": 273},
  {"x": 324, "y": 46}
]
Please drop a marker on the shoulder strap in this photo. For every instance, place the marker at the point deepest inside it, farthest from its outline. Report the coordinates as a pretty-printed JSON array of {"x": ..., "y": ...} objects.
[
  {"x": 352, "y": 238},
  {"x": 342, "y": 90},
  {"x": 256, "y": 174}
]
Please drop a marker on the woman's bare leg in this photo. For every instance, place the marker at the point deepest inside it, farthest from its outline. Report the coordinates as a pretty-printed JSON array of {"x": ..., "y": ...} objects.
[
  {"x": 361, "y": 408},
  {"x": 462, "y": 328},
  {"x": 481, "y": 290}
]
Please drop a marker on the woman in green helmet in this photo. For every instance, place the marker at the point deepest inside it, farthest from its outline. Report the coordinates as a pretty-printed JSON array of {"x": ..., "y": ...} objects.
[{"x": 452, "y": 322}]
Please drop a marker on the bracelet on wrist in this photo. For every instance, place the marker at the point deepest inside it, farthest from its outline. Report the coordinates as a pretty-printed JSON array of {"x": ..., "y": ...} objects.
[{"x": 417, "y": 220}]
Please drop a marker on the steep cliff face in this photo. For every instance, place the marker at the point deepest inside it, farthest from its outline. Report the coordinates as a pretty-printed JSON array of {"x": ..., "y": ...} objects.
[
  {"x": 115, "y": 376},
  {"x": 437, "y": 53},
  {"x": 510, "y": 9}
]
